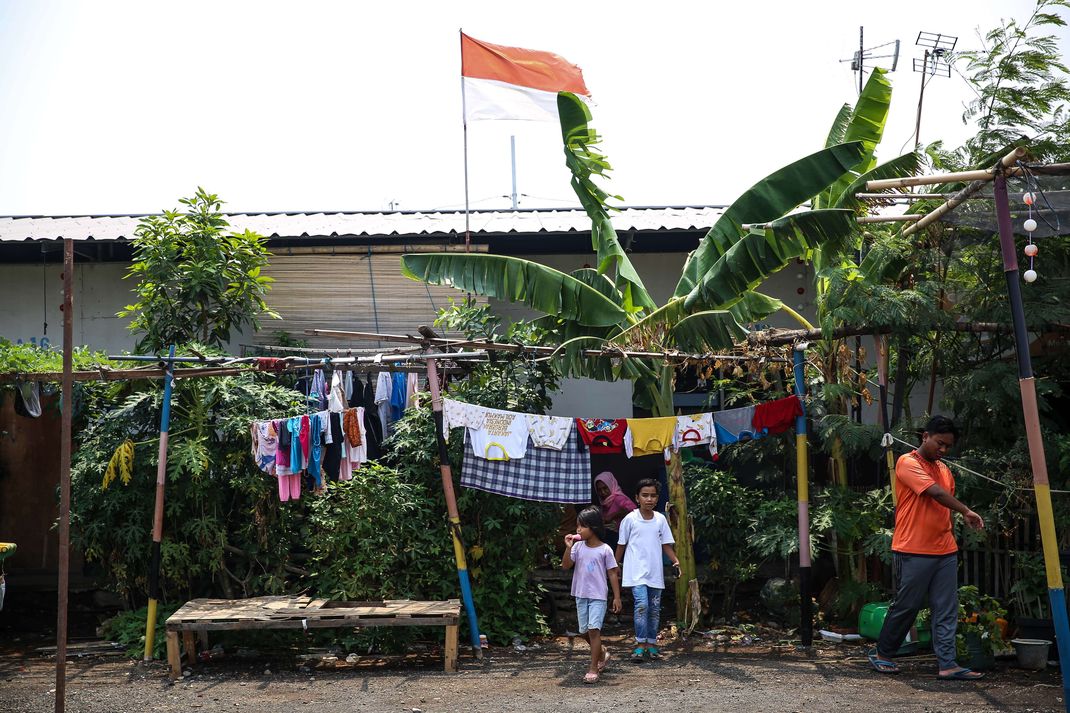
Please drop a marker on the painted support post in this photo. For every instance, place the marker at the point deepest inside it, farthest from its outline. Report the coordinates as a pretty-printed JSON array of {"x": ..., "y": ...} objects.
[
  {"x": 882, "y": 378},
  {"x": 451, "y": 509},
  {"x": 64, "y": 554},
  {"x": 802, "y": 477},
  {"x": 157, "y": 516},
  {"x": 1027, "y": 384}
]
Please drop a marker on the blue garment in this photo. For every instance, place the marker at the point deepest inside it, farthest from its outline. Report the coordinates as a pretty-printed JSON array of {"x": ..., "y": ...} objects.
[
  {"x": 297, "y": 457},
  {"x": 318, "y": 389},
  {"x": 735, "y": 425},
  {"x": 315, "y": 450},
  {"x": 647, "y": 613},
  {"x": 398, "y": 397}
]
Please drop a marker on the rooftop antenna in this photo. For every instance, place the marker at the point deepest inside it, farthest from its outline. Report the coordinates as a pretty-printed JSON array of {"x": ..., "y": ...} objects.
[
  {"x": 863, "y": 55},
  {"x": 935, "y": 61}
]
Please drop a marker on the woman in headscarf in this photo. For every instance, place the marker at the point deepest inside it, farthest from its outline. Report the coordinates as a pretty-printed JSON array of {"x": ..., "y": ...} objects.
[{"x": 615, "y": 505}]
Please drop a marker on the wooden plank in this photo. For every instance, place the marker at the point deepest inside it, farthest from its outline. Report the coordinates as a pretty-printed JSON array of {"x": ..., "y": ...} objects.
[
  {"x": 189, "y": 644},
  {"x": 173, "y": 656},
  {"x": 313, "y": 623},
  {"x": 452, "y": 635}
]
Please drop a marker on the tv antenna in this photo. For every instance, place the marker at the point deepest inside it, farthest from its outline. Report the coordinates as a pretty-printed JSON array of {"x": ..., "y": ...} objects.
[
  {"x": 936, "y": 61},
  {"x": 863, "y": 55}
]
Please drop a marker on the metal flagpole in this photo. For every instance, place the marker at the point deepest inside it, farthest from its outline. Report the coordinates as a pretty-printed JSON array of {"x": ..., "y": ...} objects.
[
  {"x": 802, "y": 477},
  {"x": 1027, "y": 384},
  {"x": 451, "y": 508},
  {"x": 67, "y": 404},
  {"x": 157, "y": 516}
]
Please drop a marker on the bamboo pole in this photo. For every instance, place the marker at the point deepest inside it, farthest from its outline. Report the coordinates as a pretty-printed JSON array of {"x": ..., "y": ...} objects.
[
  {"x": 64, "y": 552},
  {"x": 451, "y": 509},
  {"x": 1006, "y": 164},
  {"x": 779, "y": 337},
  {"x": 157, "y": 515},
  {"x": 906, "y": 218},
  {"x": 802, "y": 484},
  {"x": 1041, "y": 487},
  {"x": 519, "y": 348}
]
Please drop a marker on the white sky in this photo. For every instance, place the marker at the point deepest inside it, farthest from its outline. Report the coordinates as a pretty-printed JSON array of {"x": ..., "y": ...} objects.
[{"x": 123, "y": 107}]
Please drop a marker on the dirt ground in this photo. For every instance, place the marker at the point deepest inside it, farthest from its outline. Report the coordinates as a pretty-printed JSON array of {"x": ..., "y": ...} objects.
[{"x": 692, "y": 677}]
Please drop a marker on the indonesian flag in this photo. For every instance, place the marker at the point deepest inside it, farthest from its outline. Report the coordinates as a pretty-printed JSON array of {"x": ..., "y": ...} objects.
[{"x": 514, "y": 83}]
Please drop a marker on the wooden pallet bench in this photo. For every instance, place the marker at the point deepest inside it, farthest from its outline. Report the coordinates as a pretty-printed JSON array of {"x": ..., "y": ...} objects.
[{"x": 204, "y": 615}]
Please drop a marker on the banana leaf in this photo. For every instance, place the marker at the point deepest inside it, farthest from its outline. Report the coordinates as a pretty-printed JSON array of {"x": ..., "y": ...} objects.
[
  {"x": 705, "y": 332},
  {"x": 585, "y": 163},
  {"x": 839, "y": 126},
  {"x": 868, "y": 118},
  {"x": 754, "y": 306},
  {"x": 516, "y": 280},
  {"x": 906, "y": 165},
  {"x": 761, "y": 253},
  {"x": 767, "y": 200}
]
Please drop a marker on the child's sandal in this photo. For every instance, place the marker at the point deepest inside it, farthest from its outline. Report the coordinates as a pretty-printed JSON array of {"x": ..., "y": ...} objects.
[
  {"x": 637, "y": 655},
  {"x": 590, "y": 677},
  {"x": 653, "y": 653}
]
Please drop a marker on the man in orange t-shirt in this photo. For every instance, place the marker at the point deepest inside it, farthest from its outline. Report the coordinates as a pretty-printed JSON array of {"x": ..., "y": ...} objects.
[{"x": 924, "y": 552}]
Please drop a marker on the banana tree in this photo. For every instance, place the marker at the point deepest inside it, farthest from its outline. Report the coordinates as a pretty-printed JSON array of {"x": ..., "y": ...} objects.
[{"x": 610, "y": 305}]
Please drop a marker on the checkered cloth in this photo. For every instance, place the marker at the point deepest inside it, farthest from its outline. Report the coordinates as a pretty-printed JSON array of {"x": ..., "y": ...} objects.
[{"x": 543, "y": 474}]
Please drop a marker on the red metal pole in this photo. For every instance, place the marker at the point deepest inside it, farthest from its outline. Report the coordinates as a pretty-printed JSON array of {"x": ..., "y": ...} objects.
[{"x": 65, "y": 475}]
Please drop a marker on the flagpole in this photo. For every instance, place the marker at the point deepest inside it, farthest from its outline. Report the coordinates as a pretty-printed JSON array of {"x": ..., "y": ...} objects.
[{"x": 464, "y": 123}]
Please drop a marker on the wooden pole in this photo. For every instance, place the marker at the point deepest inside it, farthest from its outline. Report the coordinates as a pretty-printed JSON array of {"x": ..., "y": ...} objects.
[
  {"x": 779, "y": 337},
  {"x": 921, "y": 99},
  {"x": 1027, "y": 384},
  {"x": 881, "y": 343},
  {"x": 157, "y": 516},
  {"x": 67, "y": 403},
  {"x": 983, "y": 175},
  {"x": 451, "y": 509},
  {"x": 802, "y": 484}
]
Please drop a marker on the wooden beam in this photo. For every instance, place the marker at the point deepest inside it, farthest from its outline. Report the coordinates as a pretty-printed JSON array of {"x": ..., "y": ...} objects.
[
  {"x": 778, "y": 337},
  {"x": 1006, "y": 164}
]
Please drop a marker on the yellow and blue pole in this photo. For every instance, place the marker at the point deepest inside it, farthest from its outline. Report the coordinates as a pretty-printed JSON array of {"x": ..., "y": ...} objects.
[
  {"x": 1027, "y": 384},
  {"x": 802, "y": 479},
  {"x": 451, "y": 509},
  {"x": 157, "y": 516}
]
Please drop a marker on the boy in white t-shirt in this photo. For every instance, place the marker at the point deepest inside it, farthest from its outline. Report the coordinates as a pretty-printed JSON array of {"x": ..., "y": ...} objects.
[{"x": 644, "y": 537}]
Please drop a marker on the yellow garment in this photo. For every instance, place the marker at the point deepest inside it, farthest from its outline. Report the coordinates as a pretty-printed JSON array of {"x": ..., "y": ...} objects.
[{"x": 650, "y": 436}]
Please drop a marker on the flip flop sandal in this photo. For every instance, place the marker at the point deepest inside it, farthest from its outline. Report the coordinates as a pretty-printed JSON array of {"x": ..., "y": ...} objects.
[
  {"x": 963, "y": 674},
  {"x": 604, "y": 661},
  {"x": 882, "y": 666},
  {"x": 637, "y": 655},
  {"x": 653, "y": 653},
  {"x": 590, "y": 677}
]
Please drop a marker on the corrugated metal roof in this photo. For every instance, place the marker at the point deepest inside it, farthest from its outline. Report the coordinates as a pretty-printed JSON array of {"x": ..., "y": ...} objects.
[{"x": 399, "y": 224}]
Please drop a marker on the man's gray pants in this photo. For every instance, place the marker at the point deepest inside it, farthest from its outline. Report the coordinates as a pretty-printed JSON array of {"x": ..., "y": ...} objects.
[{"x": 917, "y": 577}]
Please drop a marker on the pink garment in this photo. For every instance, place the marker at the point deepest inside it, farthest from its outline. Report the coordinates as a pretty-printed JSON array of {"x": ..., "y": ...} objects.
[
  {"x": 616, "y": 505},
  {"x": 290, "y": 487}
]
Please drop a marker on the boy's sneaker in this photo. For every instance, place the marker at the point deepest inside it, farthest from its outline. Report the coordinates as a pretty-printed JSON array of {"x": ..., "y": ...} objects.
[
  {"x": 638, "y": 655},
  {"x": 653, "y": 653}
]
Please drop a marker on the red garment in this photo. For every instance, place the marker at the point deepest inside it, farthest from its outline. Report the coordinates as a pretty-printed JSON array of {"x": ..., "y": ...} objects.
[
  {"x": 603, "y": 435},
  {"x": 304, "y": 437},
  {"x": 270, "y": 364},
  {"x": 777, "y": 416}
]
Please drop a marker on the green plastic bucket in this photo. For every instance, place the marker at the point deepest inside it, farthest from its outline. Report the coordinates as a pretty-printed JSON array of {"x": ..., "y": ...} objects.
[{"x": 871, "y": 619}]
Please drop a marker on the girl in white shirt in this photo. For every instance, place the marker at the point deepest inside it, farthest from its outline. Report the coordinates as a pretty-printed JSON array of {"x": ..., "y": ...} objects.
[{"x": 644, "y": 537}]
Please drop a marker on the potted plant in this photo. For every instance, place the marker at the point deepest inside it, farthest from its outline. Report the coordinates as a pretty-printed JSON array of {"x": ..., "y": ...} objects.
[
  {"x": 981, "y": 630},
  {"x": 1030, "y": 592}
]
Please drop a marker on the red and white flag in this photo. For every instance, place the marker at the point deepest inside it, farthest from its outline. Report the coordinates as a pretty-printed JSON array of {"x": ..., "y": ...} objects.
[{"x": 515, "y": 83}]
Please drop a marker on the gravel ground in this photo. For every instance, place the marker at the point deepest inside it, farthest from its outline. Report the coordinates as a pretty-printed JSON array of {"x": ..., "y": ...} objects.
[{"x": 550, "y": 678}]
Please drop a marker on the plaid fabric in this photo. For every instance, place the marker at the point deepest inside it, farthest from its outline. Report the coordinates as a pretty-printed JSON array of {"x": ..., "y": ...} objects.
[{"x": 543, "y": 474}]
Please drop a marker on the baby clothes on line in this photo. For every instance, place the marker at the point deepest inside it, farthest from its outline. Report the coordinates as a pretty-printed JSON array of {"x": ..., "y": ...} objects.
[
  {"x": 297, "y": 461},
  {"x": 348, "y": 382},
  {"x": 695, "y": 430},
  {"x": 458, "y": 414},
  {"x": 549, "y": 431},
  {"x": 282, "y": 455},
  {"x": 504, "y": 435},
  {"x": 265, "y": 446},
  {"x": 384, "y": 386},
  {"x": 649, "y": 436},
  {"x": 318, "y": 389},
  {"x": 290, "y": 487},
  {"x": 777, "y": 416},
  {"x": 332, "y": 453},
  {"x": 358, "y": 452},
  {"x": 544, "y": 474},
  {"x": 337, "y": 399},
  {"x": 603, "y": 435},
  {"x": 315, "y": 454},
  {"x": 735, "y": 425},
  {"x": 305, "y": 437},
  {"x": 373, "y": 427},
  {"x": 351, "y": 425}
]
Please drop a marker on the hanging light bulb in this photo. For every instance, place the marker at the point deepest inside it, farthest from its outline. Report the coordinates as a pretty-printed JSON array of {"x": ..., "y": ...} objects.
[
  {"x": 1029, "y": 198},
  {"x": 1031, "y": 250},
  {"x": 1030, "y": 225},
  {"x": 1029, "y": 275}
]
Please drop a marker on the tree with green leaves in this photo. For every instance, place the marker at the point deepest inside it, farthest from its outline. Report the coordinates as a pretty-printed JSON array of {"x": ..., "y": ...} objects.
[
  {"x": 608, "y": 305},
  {"x": 196, "y": 281}
]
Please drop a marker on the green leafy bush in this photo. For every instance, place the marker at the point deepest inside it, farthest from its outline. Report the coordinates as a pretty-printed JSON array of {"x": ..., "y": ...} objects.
[{"x": 128, "y": 628}]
